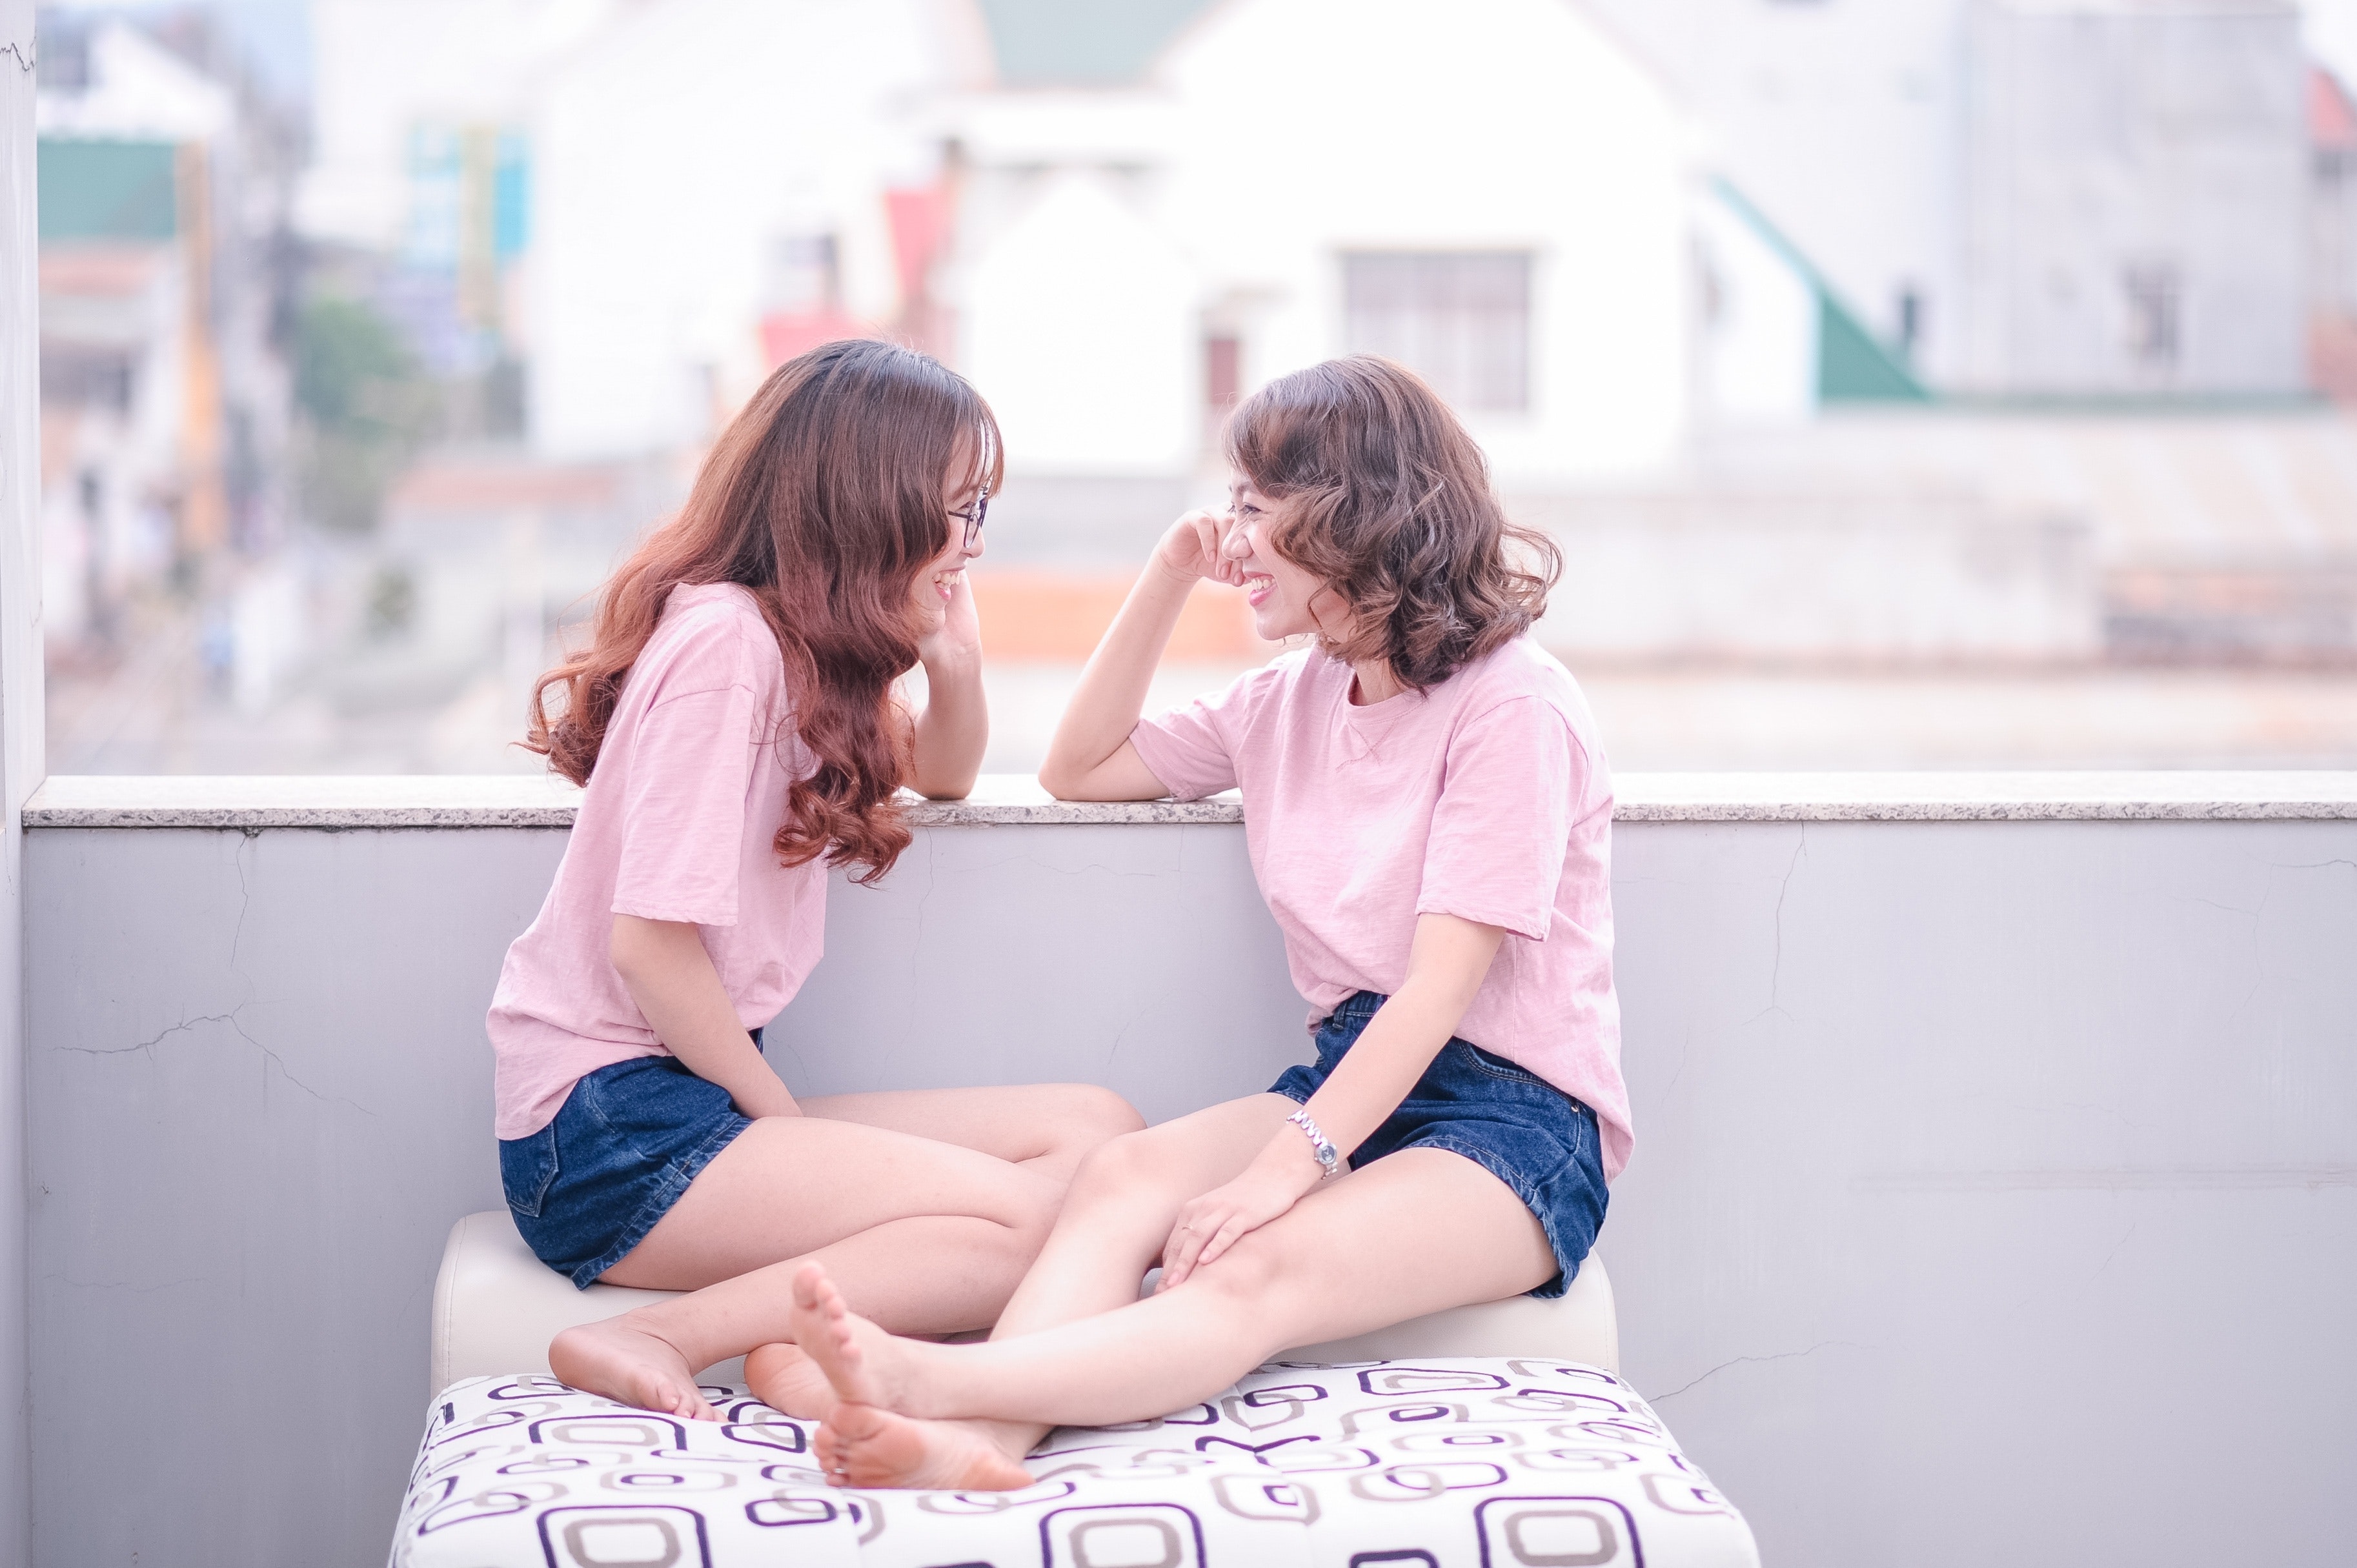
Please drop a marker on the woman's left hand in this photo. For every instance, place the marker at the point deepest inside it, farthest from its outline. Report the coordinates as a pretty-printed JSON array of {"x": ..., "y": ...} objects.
[
  {"x": 1208, "y": 1226},
  {"x": 958, "y": 640}
]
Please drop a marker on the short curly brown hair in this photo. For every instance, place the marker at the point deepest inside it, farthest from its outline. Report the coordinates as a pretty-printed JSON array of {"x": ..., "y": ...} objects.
[{"x": 1383, "y": 494}]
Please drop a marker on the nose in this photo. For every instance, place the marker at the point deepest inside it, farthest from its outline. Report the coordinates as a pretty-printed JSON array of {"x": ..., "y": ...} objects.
[{"x": 1236, "y": 546}]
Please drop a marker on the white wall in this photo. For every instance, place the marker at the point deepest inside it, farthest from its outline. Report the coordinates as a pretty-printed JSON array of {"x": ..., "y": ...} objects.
[
  {"x": 2107, "y": 139},
  {"x": 1757, "y": 340},
  {"x": 20, "y": 730},
  {"x": 1325, "y": 126},
  {"x": 670, "y": 155},
  {"x": 1883, "y": 575},
  {"x": 1275, "y": 135},
  {"x": 1083, "y": 325},
  {"x": 1843, "y": 122},
  {"x": 380, "y": 66},
  {"x": 1992, "y": 1196}
]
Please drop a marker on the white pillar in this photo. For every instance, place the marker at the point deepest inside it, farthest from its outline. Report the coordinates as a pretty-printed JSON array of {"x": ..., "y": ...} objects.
[{"x": 20, "y": 728}]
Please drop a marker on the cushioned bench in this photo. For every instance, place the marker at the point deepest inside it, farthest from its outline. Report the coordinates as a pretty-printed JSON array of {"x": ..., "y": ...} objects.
[
  {"x": 495, "y": 1308},
  {"x": 1494, "y": 1436}
]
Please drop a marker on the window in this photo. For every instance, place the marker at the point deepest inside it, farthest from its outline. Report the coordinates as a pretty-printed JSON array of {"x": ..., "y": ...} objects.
[
  {"x": 1222, "y": 372},
  {"x": 2153, "y": 296},
  {"x": 1459, "y": 319}
]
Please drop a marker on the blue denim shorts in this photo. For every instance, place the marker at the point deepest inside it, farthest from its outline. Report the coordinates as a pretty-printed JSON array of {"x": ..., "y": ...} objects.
[
  {"x": 1511, "y": 1122},
  {"x": 588, "y": 1187}
]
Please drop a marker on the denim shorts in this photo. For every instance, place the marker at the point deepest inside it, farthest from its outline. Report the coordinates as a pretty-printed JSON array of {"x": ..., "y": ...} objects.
[
  {"x": 1511, "y": 1122},
  {"x": 588, "y": 1187}
]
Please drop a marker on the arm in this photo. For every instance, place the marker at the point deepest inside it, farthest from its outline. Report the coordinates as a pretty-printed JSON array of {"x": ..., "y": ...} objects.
[
  {"x": 1446, "y": 966},
  {"x": 1090, "y": 757},
  {"x": 668, "y": 973},
  {"x": 954, "y": 727}
]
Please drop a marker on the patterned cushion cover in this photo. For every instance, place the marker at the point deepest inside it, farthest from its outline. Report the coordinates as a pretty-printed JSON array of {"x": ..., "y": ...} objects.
[{"x": 1444, "y": 1462}]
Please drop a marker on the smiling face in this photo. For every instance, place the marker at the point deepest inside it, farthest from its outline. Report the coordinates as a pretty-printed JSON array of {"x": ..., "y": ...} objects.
[
  {"x": 1286, "y": 601},
  {"x": 938, "y": 583}
]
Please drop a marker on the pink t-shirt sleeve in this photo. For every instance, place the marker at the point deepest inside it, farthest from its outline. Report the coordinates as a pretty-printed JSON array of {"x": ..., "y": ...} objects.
[
  {"x": 1503, "y": 824},
  {"x": 684, "y": 817},
  {"x": 1192, "y": 748}
]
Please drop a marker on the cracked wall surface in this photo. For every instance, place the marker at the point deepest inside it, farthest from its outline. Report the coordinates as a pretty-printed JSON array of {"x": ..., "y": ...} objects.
[{"x": 1975, "y": 1161}]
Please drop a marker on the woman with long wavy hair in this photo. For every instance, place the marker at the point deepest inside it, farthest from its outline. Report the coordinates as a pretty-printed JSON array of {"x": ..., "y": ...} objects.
[
  {"x": 1429, "y": 816},
  {"x": 735, "y": 721}
]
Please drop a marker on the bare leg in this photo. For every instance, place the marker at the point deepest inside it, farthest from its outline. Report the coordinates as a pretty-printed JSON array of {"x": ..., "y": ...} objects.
[
  {"x": 932, "y": 1202},
  {"x": 1115, "y": 1219},
  {"x": 1414, "y": 1233}
]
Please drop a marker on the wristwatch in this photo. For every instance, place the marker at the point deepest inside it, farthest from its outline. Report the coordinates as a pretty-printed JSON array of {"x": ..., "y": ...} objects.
[{"x": 1329, "y": 1159}]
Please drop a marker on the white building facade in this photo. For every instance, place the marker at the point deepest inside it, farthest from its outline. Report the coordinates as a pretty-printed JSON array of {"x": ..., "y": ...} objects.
[{"x": 1278, "y": 185}]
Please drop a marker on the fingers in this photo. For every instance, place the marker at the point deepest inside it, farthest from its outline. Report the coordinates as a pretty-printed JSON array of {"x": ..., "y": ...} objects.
[
  {"x": 1236, "y": 1227},
  {"x": 1181, "y": 1252},
  {"x": 1178, "y": 1257}
]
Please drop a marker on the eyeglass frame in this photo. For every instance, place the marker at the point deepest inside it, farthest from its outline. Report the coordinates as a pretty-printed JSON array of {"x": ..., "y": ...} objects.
[{"x": 971, "y": 517}]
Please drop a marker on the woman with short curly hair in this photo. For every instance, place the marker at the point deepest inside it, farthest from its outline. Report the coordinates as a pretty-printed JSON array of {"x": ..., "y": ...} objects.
[{"x": 1429, "y": 814}]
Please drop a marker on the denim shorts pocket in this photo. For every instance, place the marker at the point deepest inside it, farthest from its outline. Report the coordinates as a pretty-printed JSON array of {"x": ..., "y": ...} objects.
[
  {"x": 528, "y": 1169},
  {"x": 1499, "y": 1067}
]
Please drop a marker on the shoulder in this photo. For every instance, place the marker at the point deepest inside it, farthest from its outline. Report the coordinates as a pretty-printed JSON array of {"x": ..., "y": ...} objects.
[
  {"x": 711, "y": 635},
  {"x": 1271, "y": 687},
  {"x": 1522, "y": 684}
]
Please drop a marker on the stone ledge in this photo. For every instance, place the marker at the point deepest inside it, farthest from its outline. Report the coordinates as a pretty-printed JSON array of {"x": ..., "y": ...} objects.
[{"x": 336, "y": 803}]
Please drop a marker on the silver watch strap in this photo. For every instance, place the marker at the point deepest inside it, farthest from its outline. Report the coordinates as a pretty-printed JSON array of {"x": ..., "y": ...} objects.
[{"x": 1329, "y": 1158}]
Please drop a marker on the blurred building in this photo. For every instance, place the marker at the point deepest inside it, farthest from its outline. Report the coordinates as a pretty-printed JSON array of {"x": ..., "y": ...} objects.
[
  {"x": 1158, "y": 217},
  {"x": 719, "y": 185},
  {"x": 2332, "y": 235},
  {"x": 2024, "y": 197},
  {"x": 1722, "y": 285},
  {"x": 163, "y": 406}
]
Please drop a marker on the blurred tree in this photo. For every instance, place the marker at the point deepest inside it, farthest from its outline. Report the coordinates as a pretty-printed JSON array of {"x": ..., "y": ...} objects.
[{"x": 366, "y": 409}]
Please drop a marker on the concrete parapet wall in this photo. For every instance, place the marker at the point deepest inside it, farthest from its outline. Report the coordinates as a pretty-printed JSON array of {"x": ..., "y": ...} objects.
[{"x": 1996, "y": 1189}]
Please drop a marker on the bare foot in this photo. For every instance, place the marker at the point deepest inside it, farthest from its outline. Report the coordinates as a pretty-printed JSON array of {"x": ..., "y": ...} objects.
[
  {"x": 861, "y": 1445},
  {"x": 790, "y": 1382},
  {"x": 631, "y": 1365},
  {"x": 859, "y": 1359}
]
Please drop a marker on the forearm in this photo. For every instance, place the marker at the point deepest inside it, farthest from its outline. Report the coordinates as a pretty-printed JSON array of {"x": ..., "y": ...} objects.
[
  {"x": 953, "y": 730},
  {"x": 664, "y": 967},
  {"x": 1105, "y": 706},
  {"x": 1447, "y": 965}
]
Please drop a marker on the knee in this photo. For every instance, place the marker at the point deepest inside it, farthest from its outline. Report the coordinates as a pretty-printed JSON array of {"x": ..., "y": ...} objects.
[
  {"x": 1123, "y": 1163},
  {"x": 1250, "y": 1272},
  {"x": 1092, "y": 1114}
]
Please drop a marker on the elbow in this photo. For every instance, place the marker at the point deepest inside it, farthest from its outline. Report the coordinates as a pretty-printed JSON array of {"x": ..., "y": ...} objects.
[{"x": 946, "y": 784}]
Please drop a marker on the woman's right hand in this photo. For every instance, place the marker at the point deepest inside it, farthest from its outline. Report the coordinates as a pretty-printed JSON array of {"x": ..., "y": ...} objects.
[{"x": 1196, "y": 546}]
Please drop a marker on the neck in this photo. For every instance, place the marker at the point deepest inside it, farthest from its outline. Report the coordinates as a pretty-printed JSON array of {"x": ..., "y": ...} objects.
[{"x": 1373, "y": 682}]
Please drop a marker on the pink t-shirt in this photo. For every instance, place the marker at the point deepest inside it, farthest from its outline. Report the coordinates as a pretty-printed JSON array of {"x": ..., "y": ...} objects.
[
  {"x": 677, "y": 824},
  {"x": 1486, "y": 798}
]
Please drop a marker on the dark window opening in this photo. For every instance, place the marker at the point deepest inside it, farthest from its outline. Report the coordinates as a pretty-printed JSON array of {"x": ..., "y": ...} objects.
[
  {"x": 2155, "y": 312},
  {"x": 86, "y": 378}
]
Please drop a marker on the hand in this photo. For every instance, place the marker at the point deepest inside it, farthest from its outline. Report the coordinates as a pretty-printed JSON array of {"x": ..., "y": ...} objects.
[
  {"x": 957, "y": 641},
  {"x": 1196, "y": 547},
  {"x": 1208, "y": 1226}
]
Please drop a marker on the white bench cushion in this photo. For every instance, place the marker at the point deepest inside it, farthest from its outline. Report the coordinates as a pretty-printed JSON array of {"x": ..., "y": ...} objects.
[
  {"x": 1441, "y": 1463},
  {"x": 495, "y": 1308}
]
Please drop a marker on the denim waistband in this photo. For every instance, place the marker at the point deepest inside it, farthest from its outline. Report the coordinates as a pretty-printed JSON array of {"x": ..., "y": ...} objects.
[{"x": 1358, "y": 1007}]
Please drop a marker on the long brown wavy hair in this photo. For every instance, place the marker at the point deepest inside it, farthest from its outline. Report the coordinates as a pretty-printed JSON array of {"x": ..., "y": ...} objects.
[
  {"x": 823, "y": 497},
  {"x": 1385, "y": 496}
]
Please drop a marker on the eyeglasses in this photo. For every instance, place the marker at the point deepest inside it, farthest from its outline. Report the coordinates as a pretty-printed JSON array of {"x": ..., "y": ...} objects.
[{"x": 971, "y": 517}]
